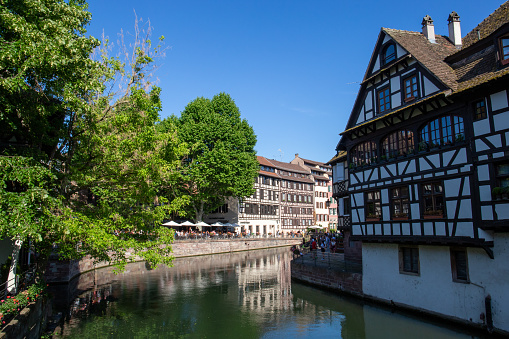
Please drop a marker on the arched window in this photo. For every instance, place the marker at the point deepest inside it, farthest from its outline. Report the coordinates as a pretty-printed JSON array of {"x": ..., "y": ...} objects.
[
  {"x": 388, "y": 54},
  {"x": 364, "y": 154},
  {"x": 398, "y": 143},
  {"x": 443, "y": 131}
]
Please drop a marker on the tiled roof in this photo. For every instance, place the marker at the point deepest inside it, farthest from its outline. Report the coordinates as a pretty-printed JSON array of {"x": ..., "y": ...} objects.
[
  {"x": 319, "y": 177},
  {"x": 304, "y": 180},
  {"x": 340, "y": 155},
  {"x": 264, "y": 161},
  {"x": 430, "y": 55},
  {"x": 288, "y": 167},
  {"x": 315, "y": 162},
  {"x": 459, "y": 70},
  {"x": 269, "y": 174},
  {"x": 478, "y": 69},
  {"x": 489, "y": 25}
]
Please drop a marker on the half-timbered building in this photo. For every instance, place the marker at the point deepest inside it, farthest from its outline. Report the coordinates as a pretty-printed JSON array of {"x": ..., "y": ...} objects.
[
  {"x": 296, "y": 196},
  {"x": 260, "y": 213},
  {"x": 321, "y": 174},
  {"x": 427, "y": 147}
]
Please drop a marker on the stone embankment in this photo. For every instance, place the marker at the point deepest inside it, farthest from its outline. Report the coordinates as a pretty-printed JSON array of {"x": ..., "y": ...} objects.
[
  {"x": 64, "y": 271},
  {"x": 333, "y": 273},
  {"x": 29, "y": 323}
]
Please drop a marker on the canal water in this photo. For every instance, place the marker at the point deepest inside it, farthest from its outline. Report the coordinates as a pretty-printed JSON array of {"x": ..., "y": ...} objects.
[{"x": 239, "y": 295}]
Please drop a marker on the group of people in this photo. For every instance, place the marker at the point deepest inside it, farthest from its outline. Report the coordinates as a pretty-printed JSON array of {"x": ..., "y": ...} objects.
[{"x": 325, "y": 242}]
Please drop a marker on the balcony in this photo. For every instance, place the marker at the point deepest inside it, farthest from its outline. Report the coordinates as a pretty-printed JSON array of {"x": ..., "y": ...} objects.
[
  {"x": 344, "y": 222},
  {"x": 340, "y": 189}
]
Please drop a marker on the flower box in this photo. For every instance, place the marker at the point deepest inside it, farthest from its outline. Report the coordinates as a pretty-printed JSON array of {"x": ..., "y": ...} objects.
[
  {"x": 400, "y": 218},
  {"x": 433, "y": 216}
]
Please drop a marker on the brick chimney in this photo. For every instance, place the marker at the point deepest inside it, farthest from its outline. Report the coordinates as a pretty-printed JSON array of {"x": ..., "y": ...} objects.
[
  {"x": 428, "y": 30},
  {"x": 454, "y": 29}
]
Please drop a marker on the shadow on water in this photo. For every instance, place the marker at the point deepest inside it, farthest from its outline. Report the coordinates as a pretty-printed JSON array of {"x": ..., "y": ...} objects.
[{"x": 237, "y": 295}]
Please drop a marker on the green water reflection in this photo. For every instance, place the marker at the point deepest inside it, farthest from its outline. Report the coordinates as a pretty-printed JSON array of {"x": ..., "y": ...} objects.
[{"x": 242, "y": 295}]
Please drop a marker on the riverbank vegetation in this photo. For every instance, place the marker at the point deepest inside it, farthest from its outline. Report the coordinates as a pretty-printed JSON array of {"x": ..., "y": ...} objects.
[{"x": 85, "y": 167}]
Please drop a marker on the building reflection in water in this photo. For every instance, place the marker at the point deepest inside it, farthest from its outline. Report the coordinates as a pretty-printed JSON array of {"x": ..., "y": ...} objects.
[{"x": 247, "y": 294}]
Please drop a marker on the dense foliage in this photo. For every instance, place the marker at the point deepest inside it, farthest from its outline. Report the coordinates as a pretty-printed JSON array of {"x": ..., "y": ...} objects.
[
  {"x": 80, "y": 164},
  {"x": 85, "y": 168},
  {"x": 221, "y": 160}
]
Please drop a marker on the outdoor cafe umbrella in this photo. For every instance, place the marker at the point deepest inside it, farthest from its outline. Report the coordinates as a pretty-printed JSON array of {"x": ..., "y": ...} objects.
[
  {"x": 187, "y": 224},
  {"x": 202, "y": 224},
  {"x": 171, "y": 223},
  {"x": 315, "y": 226}
]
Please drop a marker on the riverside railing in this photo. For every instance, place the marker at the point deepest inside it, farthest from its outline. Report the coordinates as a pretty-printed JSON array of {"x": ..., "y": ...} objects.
[
  {"x": 209, "y": 237},
  {"x": 332, "y": 261},
  {"x": 21, "y": 282}
]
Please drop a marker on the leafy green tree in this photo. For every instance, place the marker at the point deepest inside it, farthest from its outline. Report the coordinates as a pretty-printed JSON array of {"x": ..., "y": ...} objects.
[
  {"x": 221, "y": 161},
  {"x": 80, "y": 164}
]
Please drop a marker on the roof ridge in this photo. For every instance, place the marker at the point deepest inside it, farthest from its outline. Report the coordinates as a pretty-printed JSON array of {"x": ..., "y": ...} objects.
[{"x": 489, "y": 25}]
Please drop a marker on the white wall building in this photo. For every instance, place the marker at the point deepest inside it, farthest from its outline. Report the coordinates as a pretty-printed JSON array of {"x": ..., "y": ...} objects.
[{"x": 428, "y": 179}]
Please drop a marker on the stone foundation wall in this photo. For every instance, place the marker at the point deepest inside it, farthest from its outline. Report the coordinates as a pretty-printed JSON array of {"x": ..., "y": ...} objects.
[
  {"x": 350, "y": 283},
  {"x": 65, "y": 270},
  {"x": 30, "y": 322}
]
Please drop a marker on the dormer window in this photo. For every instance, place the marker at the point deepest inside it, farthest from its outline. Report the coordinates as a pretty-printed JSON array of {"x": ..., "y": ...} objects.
[
  {"x": 388, "y": 54},
  {"x": 504, "y": 50}
]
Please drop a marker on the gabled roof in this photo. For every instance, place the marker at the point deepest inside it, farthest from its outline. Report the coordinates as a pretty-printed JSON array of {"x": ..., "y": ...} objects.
[
  {"x": 289, "y": 167},
  {"x": 269, "y": 174},
  {"x": 264, "y": 161},
  {"x": 315, "y": 162},
  {"x": 476, "y": 63},
  {"x": 458, "y": 70},
  {"x": 430, "y": 55},
  {"x": 341, "y": 155},
  {"x": 489, "y": 25}
]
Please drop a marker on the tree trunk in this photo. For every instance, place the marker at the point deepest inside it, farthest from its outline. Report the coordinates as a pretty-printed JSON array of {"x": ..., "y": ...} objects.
[
  {"x": 11, "y": 279},
  {"x": 199, "y": 212}
]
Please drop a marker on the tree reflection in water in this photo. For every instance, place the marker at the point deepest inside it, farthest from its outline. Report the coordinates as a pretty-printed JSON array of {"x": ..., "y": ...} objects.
[{"x": 237, "y": 295}]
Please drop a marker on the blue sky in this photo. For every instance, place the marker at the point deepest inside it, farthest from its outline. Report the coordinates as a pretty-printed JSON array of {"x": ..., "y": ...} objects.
[{"x": 292, "y": 67}]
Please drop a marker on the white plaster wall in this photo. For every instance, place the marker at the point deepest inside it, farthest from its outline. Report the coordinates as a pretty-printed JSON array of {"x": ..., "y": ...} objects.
[
  {"x": 400, "y": 51},
  {"x": 480, "y": 146},
  {"x": 396, "y": 100},
  {"x": 429, "y": 87},
  {"x": 487, "y": 213},
  {"x": 501, "y": 121},
  {"x": 502, "y": 211},
  {"x": 483, "y": 172},
  {"x": 376, "y": 65},
  {"x": 361, "y": 116},
  {"x": 368, "y": 103},
  {"x": 498, "y": 100},
  {"x": 481, "y": 127},
  {"x": 395, "y": 84},
  {"x": 433, "y": 290},
  {"x": 495, "y": 140}
]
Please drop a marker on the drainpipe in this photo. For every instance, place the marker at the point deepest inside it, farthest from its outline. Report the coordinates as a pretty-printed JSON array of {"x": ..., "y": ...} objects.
[{"x": 489, "y": 317}]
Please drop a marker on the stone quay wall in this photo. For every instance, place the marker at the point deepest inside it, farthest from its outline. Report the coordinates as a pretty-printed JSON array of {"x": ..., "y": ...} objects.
[
  {"x": 335, "y": 280},
  {"x": 29, "y": 323},
  {"x": 63, "y": 271}
]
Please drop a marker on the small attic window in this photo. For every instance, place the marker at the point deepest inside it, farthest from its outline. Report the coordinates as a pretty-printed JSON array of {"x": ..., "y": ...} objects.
[
  {"x": 388, "y": 54},
  {"x": 504, "y": 50}
]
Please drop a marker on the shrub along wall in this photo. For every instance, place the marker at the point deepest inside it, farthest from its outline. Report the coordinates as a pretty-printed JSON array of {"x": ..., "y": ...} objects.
[{"x": 29, "y": 323}]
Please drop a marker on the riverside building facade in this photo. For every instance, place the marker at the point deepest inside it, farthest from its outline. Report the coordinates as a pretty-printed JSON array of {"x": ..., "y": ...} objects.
[
  {"x": 321, "y": 174},
  {"x": 427, "y": 154}
]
